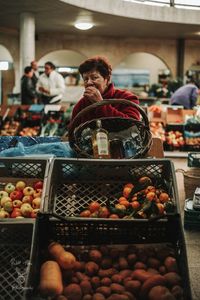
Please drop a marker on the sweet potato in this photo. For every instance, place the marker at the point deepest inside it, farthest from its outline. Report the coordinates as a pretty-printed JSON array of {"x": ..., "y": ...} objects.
[
  {"x": 152, "y": 271},
  {"x": 105, "y": 290},
  {"x": 123, "y": 263},
  {"x": 107, "y": 273},
  {"x": 177, "y": 291},
  {"x": 65, "y": 259},
  {"x": 87, "y": 297},
  {"x": 160, "y": 293},
  {"x": 172, "y": 279},
  {"x": 106, "y": 263},
  {"x": 150, "y": 283},
  {"x": 61, "y": 297},
  {"x": 153, "y": 263},
  {"x": 79, "y": 266},
  {"x": 171, "y": 264},
  {"x": 140, "y": 265},
  {"x": 131, "y": 258},
  {"x": 50, "y": 279},
  {"x": 125, "y": 273},
  {"x": 95, "y": 281},
  {"x": 116, "y": 278},
  {"x": 73, "y": 292},
  {"x": 162, "y": 270},
  {"x": 130, "y": 295},
  {"x": 118, "y": 297},
  {"x": 141, "y": 275},
  {"x": 81, "y": 276}
]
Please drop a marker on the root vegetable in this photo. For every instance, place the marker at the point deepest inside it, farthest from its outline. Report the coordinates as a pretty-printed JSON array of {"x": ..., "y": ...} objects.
[
  {"x": 98, "y": 296},
  {"x": 50, "y": 279},
  {"x": 86, "y": 287},
  {"x": 105, "y": 290},
  {"x": 65, "y": 259},
  {"x": 73, "y": 292},
  {"x": 172, "y": 279},
  {"x": 150, "y": 283},
  {"x": 117, "y": 288},
  {"x": 141, "y": 275},
  {"x": 91, "y": 268},
  {"x": 132, "y": 286},
  {"x": 95, "y": 255},
  {"x": 171, "y": 264},
  {"x": 160, "y": 293}
]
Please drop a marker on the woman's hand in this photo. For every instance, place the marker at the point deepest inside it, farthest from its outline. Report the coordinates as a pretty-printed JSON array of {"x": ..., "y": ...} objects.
[{"x": 92, "y": 94}]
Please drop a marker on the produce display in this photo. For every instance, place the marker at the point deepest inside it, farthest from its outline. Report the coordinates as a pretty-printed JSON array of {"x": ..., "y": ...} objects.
[
  {"x": 118, "y": 272},
  {"x": 175, "y": 138},
  {"x": 158, "y": 130},
  {"x": 30, "y": 131},
  {"x": 146, "y": 198},
  {"x": 20, "y": 200},
  {"x": 10, "y": 127}
]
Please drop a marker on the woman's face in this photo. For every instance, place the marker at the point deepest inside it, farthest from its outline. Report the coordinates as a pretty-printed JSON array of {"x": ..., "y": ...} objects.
[{"x": 95, "y": 79}]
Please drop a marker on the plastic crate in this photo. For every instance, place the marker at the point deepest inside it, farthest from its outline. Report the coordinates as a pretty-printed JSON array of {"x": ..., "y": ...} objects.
[
  {"x": 15, "y": 253},
  {"x": 74, "y": 183},
  {"x": 25, "y": 169},
  {"x": 193, "y": 159},
  {"x": 191, "y": 216},
  {"x": 79, "y": 236}
]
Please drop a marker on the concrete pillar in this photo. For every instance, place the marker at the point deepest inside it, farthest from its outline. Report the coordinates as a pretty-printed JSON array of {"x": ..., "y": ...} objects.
[{"x": 27, "y": 40}]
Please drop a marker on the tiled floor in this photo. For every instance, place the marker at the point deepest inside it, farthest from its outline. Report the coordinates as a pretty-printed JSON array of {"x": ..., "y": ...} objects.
[{"x": 192, "y": 237}]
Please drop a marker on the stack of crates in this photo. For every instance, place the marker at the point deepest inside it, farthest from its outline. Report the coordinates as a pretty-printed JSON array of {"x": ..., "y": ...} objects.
[{"x": 74, "y": 183}]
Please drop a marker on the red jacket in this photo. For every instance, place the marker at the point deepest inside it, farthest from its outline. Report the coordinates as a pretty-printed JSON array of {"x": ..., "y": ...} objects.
[{"x": 118, "y": 110}]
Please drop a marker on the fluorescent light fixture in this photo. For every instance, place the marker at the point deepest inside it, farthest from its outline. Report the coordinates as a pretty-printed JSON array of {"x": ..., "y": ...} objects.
[
  {"x": 83, "y": 25},
  {"x": 4, "y": 65},
  {"x": 65, "y": 69}
]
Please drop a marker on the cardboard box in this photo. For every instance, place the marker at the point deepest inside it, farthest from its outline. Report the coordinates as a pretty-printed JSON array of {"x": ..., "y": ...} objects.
[{"x": 174, "y": 115}]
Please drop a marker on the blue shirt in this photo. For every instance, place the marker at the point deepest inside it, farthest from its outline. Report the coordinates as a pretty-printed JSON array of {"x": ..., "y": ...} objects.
[{"x": 186, "y": 96}]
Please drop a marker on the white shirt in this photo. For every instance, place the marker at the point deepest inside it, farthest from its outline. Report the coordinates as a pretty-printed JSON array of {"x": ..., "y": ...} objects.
[{"x": 55, "y": 84}]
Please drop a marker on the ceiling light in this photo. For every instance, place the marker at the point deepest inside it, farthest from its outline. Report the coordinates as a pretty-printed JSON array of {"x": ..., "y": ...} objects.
[{"x": 83, "y": 25}]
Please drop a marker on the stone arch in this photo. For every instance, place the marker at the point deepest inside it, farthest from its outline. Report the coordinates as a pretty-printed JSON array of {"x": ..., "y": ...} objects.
[
  {"x": 143, "y": 60},
  {"x": 7, "y": 76}
]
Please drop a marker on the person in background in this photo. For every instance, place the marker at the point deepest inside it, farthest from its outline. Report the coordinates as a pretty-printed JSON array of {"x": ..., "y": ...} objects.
[
  {"x": 34, "y": 66},
  {"x": 50, "y": 85},
  {"x": 186, "y": 95},
  {"x": 96, "y": 73},
  {"x": 28, "y": 92}
]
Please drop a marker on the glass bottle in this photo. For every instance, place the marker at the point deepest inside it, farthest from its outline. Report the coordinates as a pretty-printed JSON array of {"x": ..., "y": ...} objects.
[{"x": 100, "y": 142}]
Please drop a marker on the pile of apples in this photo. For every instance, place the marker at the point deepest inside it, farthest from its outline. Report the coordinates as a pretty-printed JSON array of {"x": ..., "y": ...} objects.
[
  {"x": 175, "y": 138},
  {"x": 20, "y": 200}
]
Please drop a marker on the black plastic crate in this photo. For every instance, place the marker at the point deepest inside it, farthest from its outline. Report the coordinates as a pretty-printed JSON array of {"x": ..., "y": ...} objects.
[
  {"x": 83, "y": 235},
  {"x": 15, "y": 252},
  {"x": 74, "y": 183},
  {"x": 193, "y": 159}
]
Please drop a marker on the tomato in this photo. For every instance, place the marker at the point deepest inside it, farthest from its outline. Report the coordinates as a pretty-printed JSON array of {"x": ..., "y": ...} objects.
[{"x": 94, "y": 206}]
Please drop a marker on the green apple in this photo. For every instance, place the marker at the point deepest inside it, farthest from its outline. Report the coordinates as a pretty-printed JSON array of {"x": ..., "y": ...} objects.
[{"x": 9, "y": 188}]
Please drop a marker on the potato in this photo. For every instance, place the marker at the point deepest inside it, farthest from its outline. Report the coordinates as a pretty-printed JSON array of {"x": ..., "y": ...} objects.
[
  {"x": 81, "y": 276},
  {"x": 160, "y": 293},
  {"x": 116, "y": 278},
  {"x": 125, "y": 273},
  {"x": 98, "y": 296},
  {"x": 106, "y": 281},
  {"x": 86, "y": 287},
  {"x": 87, "y": 297},
  {"x": 177, "y": 291},
  {"x": 79, "y": 266},
  {"x": 150, "y": 283},
  {"x": 95, "y": 255},
  {"x": 118, "y": 297},
  {"x": 91, "y": 268},
  {"x": 50, "y": 279},
  {"x": 105, "y": 290},
  {"x": 162, "y": 269},
  {"x": 140, "y": 265},
  {"x": 153, "y": 263},
  {"x": 95, "y": 281},
  {"x": 107, "y": 273},
  {"x": 131, "y": 258},
  {"x": 106, "y": 263},
  {"x": 123, "y": 263},
  {"x": 152, "y": 271},
  {"x": 117, "y": 288},
  {"x": 171, "y": 264},
  {"x": 73, "y": 292},
  {"x": 130, "y": 295},
  {"x": 141, "y": 275},
  {"x": 172, "y": 279},
  {"x": 132, "y": 286}
]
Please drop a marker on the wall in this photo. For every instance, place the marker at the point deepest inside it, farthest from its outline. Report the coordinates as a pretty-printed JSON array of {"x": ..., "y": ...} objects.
[{"x": 116, "y": 49}]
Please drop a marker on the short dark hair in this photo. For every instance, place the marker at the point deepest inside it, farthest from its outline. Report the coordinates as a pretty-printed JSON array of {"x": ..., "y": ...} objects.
[
  {"x": 49, "y": 63},
  {"x": 27, "y": 69},
  {"x": 96, "y": 63}
]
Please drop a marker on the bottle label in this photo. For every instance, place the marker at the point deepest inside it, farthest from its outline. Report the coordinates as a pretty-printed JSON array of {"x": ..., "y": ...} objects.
[{"x": 102, "y": 143}]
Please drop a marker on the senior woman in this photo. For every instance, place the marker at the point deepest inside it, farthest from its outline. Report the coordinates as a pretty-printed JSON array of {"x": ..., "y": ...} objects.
[{"x": 96, "y": 73}]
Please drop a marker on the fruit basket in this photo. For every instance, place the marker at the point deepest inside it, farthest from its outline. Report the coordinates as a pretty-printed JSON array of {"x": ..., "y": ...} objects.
[
  {"x": 22, "y": 187},
  {"x": 107, "y": 237},
  {"x": 74, "y": 183},
  {"x": 15, "y": 253}
]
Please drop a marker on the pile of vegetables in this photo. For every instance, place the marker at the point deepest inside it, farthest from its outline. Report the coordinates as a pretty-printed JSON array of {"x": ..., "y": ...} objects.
[
  {"x": 111, "y": 272},
  {"x": 144, "y": 199}
]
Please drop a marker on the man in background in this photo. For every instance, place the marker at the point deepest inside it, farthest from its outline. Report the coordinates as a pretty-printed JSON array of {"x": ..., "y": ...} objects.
[
  {"x": 186, "y": 95},
  {"x": 28, "y": 92},
  {"x": 50, "y": 85},
  {"x": 34, "y": 66}
]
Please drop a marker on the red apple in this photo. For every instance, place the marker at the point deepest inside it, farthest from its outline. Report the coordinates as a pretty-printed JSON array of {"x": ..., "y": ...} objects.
[
  {"x": 17, "y": 203},
  {"x": 28, "y": 191},
  {"x": 38, "y": 185},
  {"x": 27, "y": 199},
  {"x": 34, "y": 213},
  {"x": 4, "y": 214},
  {"x": 36, "y": 202},
  {"x": 37, "y": 193},
  {"x": 26, "y": 210},
  {"x": 15, "y": 213},
  {"x": 16, "y": 195},
  {"x": 20, "y": 185}
]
